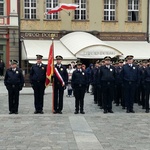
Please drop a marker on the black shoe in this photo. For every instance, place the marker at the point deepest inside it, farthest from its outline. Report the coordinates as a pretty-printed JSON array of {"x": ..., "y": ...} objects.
[
  {"x": 101, "y": 107},
  {"x": 54, "y": 112},
  {"x": 36, "y": 112},
  {"x": 105, "y": 112},
  {"x": 59, "y": 112},
  {"x": 110, "y": 111},
  {"x": 132, "y": 111},
  {"x": 123, "y": 107},
  {"x": 16, "y": 112},
  {"x": 10, "y": 112},
  {"x": 41, "y": 112},
  {"x": 127, "y": 111},
  {"x": 117, "y": 104},
  {"x": 76, "y": 112},
  {"x": 82, "y": 112},
  {"x": 147, "y": 111}
]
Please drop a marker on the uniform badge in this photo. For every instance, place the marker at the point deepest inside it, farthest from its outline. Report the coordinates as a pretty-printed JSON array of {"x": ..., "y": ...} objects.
[
  {"x": 133, "y": 67},
  {"x": 43, "y": 68},
  {"x": 111, "y": 70},
  {"x": 17, "y": 72},
  {"x": 61, "y": 69},
  {"x": 82, "y": 73}
]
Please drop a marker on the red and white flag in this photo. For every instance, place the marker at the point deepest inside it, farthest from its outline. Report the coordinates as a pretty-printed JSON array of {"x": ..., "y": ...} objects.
[
  {"x": 54, "y": 10},
  {"x": 62, "y": 6},
  {"x": 50, "y": 66},
  {"x": 69, "y": 6}
]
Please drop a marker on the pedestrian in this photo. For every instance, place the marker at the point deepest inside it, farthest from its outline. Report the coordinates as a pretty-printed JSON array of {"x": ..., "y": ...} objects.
[
  {"x": 2, "y": 66},
  {"x": 37, "y": 80},
  {"x": 130, "y": 78},
  {"x": 14, "y": 82},
  {"x": 79, "y": 84},
  {"x": 60, "y": 83},
  {"x": 107, "y": 77},
  {"x": 70, "y": 72}
]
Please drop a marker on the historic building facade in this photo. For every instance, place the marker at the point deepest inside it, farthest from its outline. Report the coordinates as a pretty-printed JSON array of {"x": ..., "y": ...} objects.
[
  {"x": 8, "y": 31},
  {"x": 108, "y": 20}
]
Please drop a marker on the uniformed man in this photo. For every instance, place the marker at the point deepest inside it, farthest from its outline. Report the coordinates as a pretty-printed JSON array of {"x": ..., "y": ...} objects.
[
  {"x": 60, "y": 83},
  {"x": 119, "y": 88},
  {"x": 146, "y": 87},
  {"x": 107, "y": 77},
  {"x": 94, "y": 81},
  {"x": 37, "y": 80},
  {"x": 131, "y": 78},
  {"x": 14, "y": 82},
  {"x": 79, "y": 84},
  {"x": 142, "y": 83}
]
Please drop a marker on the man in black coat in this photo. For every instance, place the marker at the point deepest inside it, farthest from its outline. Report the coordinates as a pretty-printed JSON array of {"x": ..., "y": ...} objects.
[
  {"x": 37, "y": 80},
  {"x": 14, "y": 82},
  {"x": 60, "y": 83},
  {"x": 130, "y": 78},
  {"x": 79, "y": 83},
  {"x": 107, "y": 77}
]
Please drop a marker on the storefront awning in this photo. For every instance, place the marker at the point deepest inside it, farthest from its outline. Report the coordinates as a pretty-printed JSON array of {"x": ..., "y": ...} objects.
[
  {"x": 32, "y": 47},
  {"x": 139, "y": 49}
]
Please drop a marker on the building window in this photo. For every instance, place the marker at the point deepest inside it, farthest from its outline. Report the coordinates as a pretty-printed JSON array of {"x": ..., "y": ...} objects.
[
  {"x": 30, "y": 9},
  {"x": 133, "y": 10},
  {"x": 109, "y": 10},
  {"x": 49, "y": 5},
  {"x": 1, "y": 7},
  {"x": 80, "y": 12}
]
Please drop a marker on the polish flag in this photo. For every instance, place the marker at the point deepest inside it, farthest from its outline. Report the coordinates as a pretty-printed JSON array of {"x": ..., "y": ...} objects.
[
  {"x": 68, "y": 6},
  {"x": 54, "y": 10}
]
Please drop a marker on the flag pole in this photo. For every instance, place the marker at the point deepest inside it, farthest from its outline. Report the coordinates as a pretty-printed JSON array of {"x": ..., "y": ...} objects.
[{"x": 52, "y": 38}]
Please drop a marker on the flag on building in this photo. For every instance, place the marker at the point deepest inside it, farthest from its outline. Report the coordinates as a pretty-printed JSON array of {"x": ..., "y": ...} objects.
[
  {"x": 69, "y": 6},
  {"x": 62, "y": 6},
  {"x": 54, "y": 10},
  {"x": 50, "y": 66}
]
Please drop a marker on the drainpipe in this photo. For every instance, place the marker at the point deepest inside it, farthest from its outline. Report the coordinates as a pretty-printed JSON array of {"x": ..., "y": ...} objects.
[
  {"x": 19, "y": 34},
  {"x": 148, "y": 22}
]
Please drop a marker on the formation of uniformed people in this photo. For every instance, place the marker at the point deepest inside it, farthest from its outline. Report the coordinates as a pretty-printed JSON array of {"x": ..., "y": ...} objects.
[{"x": 123, "y": 83}]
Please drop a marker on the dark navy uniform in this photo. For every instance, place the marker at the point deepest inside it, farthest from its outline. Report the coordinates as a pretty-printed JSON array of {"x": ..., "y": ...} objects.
[
  {"x": 37, "y": 80},
  {"x": 79, "y": 83},
  {"x": 142, "y": 86},
  {"x": 107, "y": 76},
  {"x": 119, "y": 88},
  {"x": 131, "y": 77},
  {"x": 146, "y": 80},
  {"x": 59, "y": 88},
  {"x": 14, "y": 82}
]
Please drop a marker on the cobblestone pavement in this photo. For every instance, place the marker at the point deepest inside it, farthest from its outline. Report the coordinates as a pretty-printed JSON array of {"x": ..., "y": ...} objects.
[{"x": 91, "y": 131}]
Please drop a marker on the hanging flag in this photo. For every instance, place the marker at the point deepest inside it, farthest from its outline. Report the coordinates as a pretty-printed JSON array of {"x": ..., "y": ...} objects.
[
  {"x": 54, "y": 10},
  {"x": 50, "y": 65},
  {"x": 69, "y": 6}
]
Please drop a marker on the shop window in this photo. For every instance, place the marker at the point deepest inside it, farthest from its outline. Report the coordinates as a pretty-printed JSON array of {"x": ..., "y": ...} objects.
[{"x": 1, "y": 7}]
